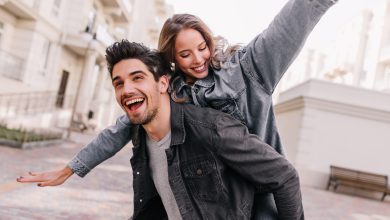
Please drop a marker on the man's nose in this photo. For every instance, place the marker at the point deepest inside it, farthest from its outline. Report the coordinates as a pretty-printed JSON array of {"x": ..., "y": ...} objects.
[{"x": 128, "y": 87}]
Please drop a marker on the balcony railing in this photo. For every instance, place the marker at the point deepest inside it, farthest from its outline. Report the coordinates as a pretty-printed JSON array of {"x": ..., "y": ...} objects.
[
  {"x": 11, "y": 66},
  {"x": 12, "y": 105}
]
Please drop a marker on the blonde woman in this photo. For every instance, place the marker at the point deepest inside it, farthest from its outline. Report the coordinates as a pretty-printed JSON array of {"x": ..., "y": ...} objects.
[{"x": 208, "y": 73}]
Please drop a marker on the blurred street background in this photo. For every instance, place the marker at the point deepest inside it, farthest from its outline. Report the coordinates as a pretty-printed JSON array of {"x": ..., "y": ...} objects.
[
  {"x": 106, "y": 194},
  {"x": 332, "y": 106}
]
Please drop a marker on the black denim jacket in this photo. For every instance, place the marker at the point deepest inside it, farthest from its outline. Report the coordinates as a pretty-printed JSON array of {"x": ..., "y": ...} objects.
[
  {"x": 243, "y": 88},
  {"x": 215, "y": 167}
]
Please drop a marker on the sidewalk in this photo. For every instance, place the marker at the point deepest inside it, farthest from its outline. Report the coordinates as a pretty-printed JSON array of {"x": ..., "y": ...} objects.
[{"x": 106, "y": 192}]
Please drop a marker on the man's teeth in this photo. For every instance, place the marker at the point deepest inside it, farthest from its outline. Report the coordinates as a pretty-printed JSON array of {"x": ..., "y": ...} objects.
[{"x": 133, "y": 101}]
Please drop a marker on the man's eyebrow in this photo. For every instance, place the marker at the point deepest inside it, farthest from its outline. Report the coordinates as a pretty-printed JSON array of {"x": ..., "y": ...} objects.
[
  {"x": 131, "y": 73},
  {"x": 136, "y": 72},
  {"x": 115, "y": 78}
]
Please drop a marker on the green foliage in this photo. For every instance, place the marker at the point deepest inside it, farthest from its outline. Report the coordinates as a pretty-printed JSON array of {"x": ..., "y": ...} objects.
[{"x": 23, "y": 136}]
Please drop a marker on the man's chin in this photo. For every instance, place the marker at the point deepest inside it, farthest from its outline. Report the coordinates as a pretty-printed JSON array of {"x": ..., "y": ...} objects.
[
  {"x": 142, "y": 118},
  {"x": 134, "y": 120}
]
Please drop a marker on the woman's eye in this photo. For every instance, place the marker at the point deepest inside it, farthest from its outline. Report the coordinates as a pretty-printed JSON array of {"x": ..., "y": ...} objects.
[
  {"x": 184, "y": 55},
  {"x": 203, "y": 48}
]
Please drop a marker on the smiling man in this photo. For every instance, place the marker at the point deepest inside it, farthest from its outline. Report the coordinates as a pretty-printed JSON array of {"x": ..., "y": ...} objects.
[
  {"x": 138, "y": 97},
  {"x": 190, "y": 162}
]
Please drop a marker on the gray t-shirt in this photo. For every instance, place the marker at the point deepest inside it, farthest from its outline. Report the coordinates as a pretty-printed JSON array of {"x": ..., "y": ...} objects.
[{"x": 159, "y": 170}]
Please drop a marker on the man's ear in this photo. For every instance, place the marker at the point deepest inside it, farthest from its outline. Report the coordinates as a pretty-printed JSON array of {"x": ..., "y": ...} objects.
[{"x": 164, "y": 83}]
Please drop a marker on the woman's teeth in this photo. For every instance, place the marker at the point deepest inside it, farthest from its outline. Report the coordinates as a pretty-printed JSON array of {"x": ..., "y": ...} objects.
[{"x": 200, "y": 68}]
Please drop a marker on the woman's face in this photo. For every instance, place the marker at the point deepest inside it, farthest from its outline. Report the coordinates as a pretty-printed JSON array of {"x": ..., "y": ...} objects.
[{"x": 192, "y": 54}]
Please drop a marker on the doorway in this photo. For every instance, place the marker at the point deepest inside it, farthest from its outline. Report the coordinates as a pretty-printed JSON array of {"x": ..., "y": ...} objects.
[{"x": 62, "y": 89}]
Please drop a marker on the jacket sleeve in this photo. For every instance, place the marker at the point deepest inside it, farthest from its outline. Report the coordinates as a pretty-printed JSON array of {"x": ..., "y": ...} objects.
[
  {"x": 105, "y": 145},
  {"x": 267, "y": 57},
  {"x": 260, "y": 164}
]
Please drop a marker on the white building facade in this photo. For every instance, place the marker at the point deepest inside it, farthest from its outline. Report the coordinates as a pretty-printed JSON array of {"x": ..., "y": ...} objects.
[
  {"x": 52, "y": 62},
  {"x": 333, "y": 105}
]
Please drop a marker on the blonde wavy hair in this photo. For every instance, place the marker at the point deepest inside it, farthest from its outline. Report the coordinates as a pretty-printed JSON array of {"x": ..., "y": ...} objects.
[{"x": 219, "y": 48}]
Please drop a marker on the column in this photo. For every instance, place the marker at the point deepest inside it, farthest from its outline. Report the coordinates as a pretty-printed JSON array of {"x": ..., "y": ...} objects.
[
  {"x": 358, "y": 69},
  {"x": 87, "y": 83}
]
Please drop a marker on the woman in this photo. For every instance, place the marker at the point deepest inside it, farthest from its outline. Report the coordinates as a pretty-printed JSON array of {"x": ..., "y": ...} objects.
[{"x": 238, "y": 81}]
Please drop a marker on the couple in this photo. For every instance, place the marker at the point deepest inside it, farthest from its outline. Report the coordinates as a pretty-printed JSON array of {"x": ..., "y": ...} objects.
[{"x": 212, "y": 168}]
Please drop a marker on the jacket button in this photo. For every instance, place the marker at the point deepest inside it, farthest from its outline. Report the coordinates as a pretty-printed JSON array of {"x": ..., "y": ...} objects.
[
  {"x": 140, "y": 200},
  {"x": 137, "y": 173},
  {"x": 199, "y": 172}
]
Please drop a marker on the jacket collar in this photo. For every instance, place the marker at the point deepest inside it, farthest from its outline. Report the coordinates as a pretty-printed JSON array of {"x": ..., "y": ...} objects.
[
  {"x": 207, "y": 82},
  {"x": 178, "y": 132}
]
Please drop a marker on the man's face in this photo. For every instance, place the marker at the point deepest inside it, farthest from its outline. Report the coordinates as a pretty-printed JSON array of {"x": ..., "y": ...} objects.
[{"x": 136, "y": 90}]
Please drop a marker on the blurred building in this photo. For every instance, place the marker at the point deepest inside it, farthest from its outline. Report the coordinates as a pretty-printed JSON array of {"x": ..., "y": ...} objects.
[
  {"x": 333, "y": 105},
  {"x": 358, "y": 53},
  {"x": 52, "y": 63}
]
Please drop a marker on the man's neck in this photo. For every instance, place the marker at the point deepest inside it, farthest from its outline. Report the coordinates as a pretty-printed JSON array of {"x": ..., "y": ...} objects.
[{"x": 160, "y": 126}]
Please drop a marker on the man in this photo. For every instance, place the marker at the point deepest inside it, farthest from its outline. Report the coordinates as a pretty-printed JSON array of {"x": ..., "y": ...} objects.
[{"x": 190, "y": 162}]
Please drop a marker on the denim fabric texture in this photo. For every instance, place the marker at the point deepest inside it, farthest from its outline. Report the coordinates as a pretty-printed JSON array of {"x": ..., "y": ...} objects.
[
  {"x": 215, "y": 167},
  {"x": 243, "y": 88}
]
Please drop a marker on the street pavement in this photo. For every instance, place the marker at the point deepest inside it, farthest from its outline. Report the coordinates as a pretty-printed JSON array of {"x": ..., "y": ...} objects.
[{"x": 106, "y": 193}]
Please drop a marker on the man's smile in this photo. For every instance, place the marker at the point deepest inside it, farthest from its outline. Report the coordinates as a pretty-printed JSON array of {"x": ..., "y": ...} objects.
[{"x": 133, "y": 104}]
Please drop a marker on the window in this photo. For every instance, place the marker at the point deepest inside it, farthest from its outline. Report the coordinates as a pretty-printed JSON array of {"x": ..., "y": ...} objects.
[
  {"x": 45, "y": 54},
  {"x": 91, "y": 20}
]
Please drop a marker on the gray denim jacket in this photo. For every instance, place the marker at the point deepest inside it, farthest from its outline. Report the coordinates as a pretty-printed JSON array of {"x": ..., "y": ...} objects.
[
  {"x": 214, "y": 166},
  {"x": 242, "y": 88}
]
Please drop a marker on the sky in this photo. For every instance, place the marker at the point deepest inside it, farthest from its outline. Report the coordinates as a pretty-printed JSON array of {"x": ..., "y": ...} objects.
[{"x": 241, "y": 20}]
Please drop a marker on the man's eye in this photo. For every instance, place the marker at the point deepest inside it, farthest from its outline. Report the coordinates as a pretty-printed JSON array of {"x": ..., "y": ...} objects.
[
  {"x": 117, "y": 84},
  {"x": 137, "y": 78}
]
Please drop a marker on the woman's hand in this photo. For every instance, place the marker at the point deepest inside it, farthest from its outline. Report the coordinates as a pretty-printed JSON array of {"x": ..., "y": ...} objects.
[{"x": 50, "y": 178}]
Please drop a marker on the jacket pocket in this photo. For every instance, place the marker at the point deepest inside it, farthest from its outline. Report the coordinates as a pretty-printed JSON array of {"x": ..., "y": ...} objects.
[
  {"x": 201, "y": 178},
  {"x": 228, "y": 106}
]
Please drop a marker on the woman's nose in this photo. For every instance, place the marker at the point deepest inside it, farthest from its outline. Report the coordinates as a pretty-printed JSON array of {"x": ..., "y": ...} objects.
[{"x": 198, "y": 58}]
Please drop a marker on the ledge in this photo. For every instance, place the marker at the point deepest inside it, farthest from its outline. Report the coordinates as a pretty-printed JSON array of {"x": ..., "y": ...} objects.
[
  {"x": 29, "y": 145},
  {"x": 338, "y": 98}
]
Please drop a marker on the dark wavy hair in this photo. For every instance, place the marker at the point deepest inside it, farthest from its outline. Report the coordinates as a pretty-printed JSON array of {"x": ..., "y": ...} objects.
[{"x": 124, "y": 49}]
